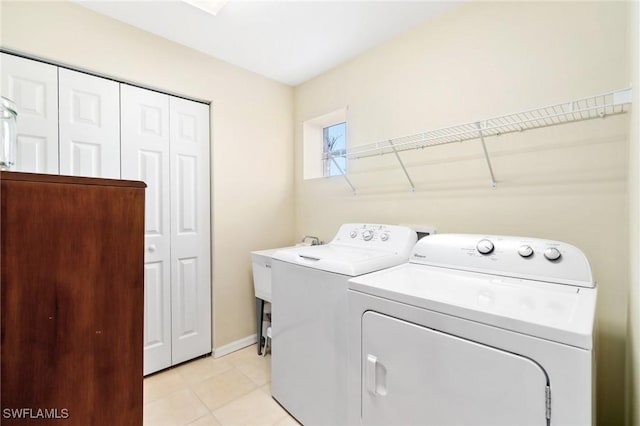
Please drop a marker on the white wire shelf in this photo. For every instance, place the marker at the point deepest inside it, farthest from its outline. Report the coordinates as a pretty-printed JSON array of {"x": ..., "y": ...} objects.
[{"x": 599, "y": 106}]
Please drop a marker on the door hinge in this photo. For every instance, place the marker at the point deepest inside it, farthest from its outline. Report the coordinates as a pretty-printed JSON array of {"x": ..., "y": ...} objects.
[{"x": 547, "y": 398}]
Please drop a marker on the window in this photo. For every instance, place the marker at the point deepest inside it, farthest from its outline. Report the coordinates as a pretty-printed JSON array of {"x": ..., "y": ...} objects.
[
  {"x": 334, "y": 147},
  {"x": 321, "y": 135}
]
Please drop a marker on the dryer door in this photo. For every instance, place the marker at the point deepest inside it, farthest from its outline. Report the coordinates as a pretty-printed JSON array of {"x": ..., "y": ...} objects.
[{"x": 413, "y": 375}]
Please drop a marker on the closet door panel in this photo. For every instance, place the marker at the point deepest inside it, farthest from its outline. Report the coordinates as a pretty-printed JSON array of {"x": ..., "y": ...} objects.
[
  {"x": 190, "y": 230},
  {"x": 89, "y": 125},
  {"x": 145, "y": 156},
  {"x": 33, "y": 86}
]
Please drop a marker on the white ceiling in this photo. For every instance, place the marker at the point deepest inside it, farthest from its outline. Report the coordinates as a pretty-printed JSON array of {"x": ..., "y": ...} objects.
[{"x": 288, "y": 41}]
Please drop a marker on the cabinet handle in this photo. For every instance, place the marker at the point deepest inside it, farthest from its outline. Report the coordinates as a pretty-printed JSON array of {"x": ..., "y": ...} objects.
[{"x": 151, "y": 248}]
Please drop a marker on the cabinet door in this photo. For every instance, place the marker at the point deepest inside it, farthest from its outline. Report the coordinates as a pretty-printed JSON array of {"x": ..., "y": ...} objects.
[
  {"x": 71, "y": 291},
  {"x": 145, "y": 156},
  {"x": 33, "y": 86},
  {"x": 89, "y": 125},
  {"x": 190, "y": 230},
  {"x": 413, "y": 375}
]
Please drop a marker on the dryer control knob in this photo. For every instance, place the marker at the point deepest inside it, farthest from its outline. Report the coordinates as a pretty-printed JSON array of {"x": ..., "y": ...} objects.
[
  {"x": 353, "y": 234},
  {"x": 367, "y": 235},
  {"x": 552, "y": 253},
  {"x": 525, "y": 251},
  {"x": 384, "y": 237},
  {"x": 484, "y": 246}
]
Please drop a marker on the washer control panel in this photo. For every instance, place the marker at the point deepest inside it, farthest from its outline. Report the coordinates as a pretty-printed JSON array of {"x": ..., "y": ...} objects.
[
  {"x": 531, "y": 258},
  {"x": 385, "y": 237},
  {"x": 370, "y": 232}
]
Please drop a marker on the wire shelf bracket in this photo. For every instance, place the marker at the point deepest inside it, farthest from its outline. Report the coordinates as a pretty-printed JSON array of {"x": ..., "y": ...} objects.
[
  {"x": 404, "y": 169},
  {"x": 486, "y": 155},
  {"x": 598, "y": 106},
  {"x": 344, "y": 175}
]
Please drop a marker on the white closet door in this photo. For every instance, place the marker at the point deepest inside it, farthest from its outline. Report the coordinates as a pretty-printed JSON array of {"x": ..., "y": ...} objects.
[
  {"x": 33, "y": 86},
  {"x": 89, "y": 125},
  {"x": 145, "y": 156},
  {"x": 190, "y": 230}
]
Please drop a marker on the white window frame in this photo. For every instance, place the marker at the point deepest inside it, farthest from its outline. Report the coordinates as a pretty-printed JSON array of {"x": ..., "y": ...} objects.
[{"x": 313, "y": 142}]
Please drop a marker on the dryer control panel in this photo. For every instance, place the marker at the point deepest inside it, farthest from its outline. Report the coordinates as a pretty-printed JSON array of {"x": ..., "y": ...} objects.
[{"x": 520, "y": 257}]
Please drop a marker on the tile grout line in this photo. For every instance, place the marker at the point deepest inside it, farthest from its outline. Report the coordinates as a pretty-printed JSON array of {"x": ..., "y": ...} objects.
[
  {"x": 257, "y": 387},
  {"x": 211, "y": 411},
  {"x": 203, "y": 403},
  {"x": 240, "y": 359},
  {"x": 168, "y": 394}
]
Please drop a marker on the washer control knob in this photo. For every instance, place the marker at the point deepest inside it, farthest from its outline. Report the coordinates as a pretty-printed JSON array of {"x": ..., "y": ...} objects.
[
  {"x": 525, "y": 251},
  {"x": 484, "y": 246},
  {"x": 384, "y": 236},
  {"x": 552, "y": 253},
  {"x": 353, "y": 234},
  {"x": 367, "y": 235}
]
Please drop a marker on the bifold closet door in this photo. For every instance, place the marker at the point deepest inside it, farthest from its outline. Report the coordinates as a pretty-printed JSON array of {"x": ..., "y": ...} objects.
[
  {"x": 165, "y": 143},
  {"x": 190, "y": 230},
  {"x": 33, "y": 86},
  {"x": 89, "y": 125},
  {"x": 145, "y": 156}
]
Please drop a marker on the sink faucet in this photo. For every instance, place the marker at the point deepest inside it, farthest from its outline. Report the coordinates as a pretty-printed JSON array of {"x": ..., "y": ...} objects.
[{"x": 315, "y": 241}]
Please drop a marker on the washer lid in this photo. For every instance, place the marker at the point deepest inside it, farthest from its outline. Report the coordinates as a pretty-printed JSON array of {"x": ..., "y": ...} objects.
[
  {"x": 559, "y": 313},
  {"x": 341, "y": 259}
]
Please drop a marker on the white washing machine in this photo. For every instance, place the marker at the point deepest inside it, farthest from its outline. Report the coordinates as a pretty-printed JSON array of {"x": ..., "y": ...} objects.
[
  {"x": 474, "y": 330},
  {"x": 309, "y": 316}
]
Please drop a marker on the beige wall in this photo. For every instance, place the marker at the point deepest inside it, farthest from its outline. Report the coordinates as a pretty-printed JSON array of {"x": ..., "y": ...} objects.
[
  {"x": 633, "y": 335},
  {"x": 251, "y": 134},
  {"x": 482, "y": 59},
  {"x": 479, "y": 60}
]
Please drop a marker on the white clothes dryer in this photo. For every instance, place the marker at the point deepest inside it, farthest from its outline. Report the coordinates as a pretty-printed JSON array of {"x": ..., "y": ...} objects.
[
  {"x": 474, "y": 330},
  {"x": 309, "y": 316}
]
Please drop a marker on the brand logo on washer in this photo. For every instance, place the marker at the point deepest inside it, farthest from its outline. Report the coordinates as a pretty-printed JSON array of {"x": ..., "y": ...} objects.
[{"x": 419, "y": 256}]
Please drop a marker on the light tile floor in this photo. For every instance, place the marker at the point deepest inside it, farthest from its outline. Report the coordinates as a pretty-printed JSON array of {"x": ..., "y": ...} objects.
[{"x": 231, "y": 390}]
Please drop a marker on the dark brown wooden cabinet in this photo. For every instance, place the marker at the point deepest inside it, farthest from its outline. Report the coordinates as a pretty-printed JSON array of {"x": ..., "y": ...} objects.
[{"x": 72, "y": 280}]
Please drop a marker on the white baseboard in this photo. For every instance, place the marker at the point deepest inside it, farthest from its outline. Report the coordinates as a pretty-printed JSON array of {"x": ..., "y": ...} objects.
[{"x": 234, "y": 346}]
